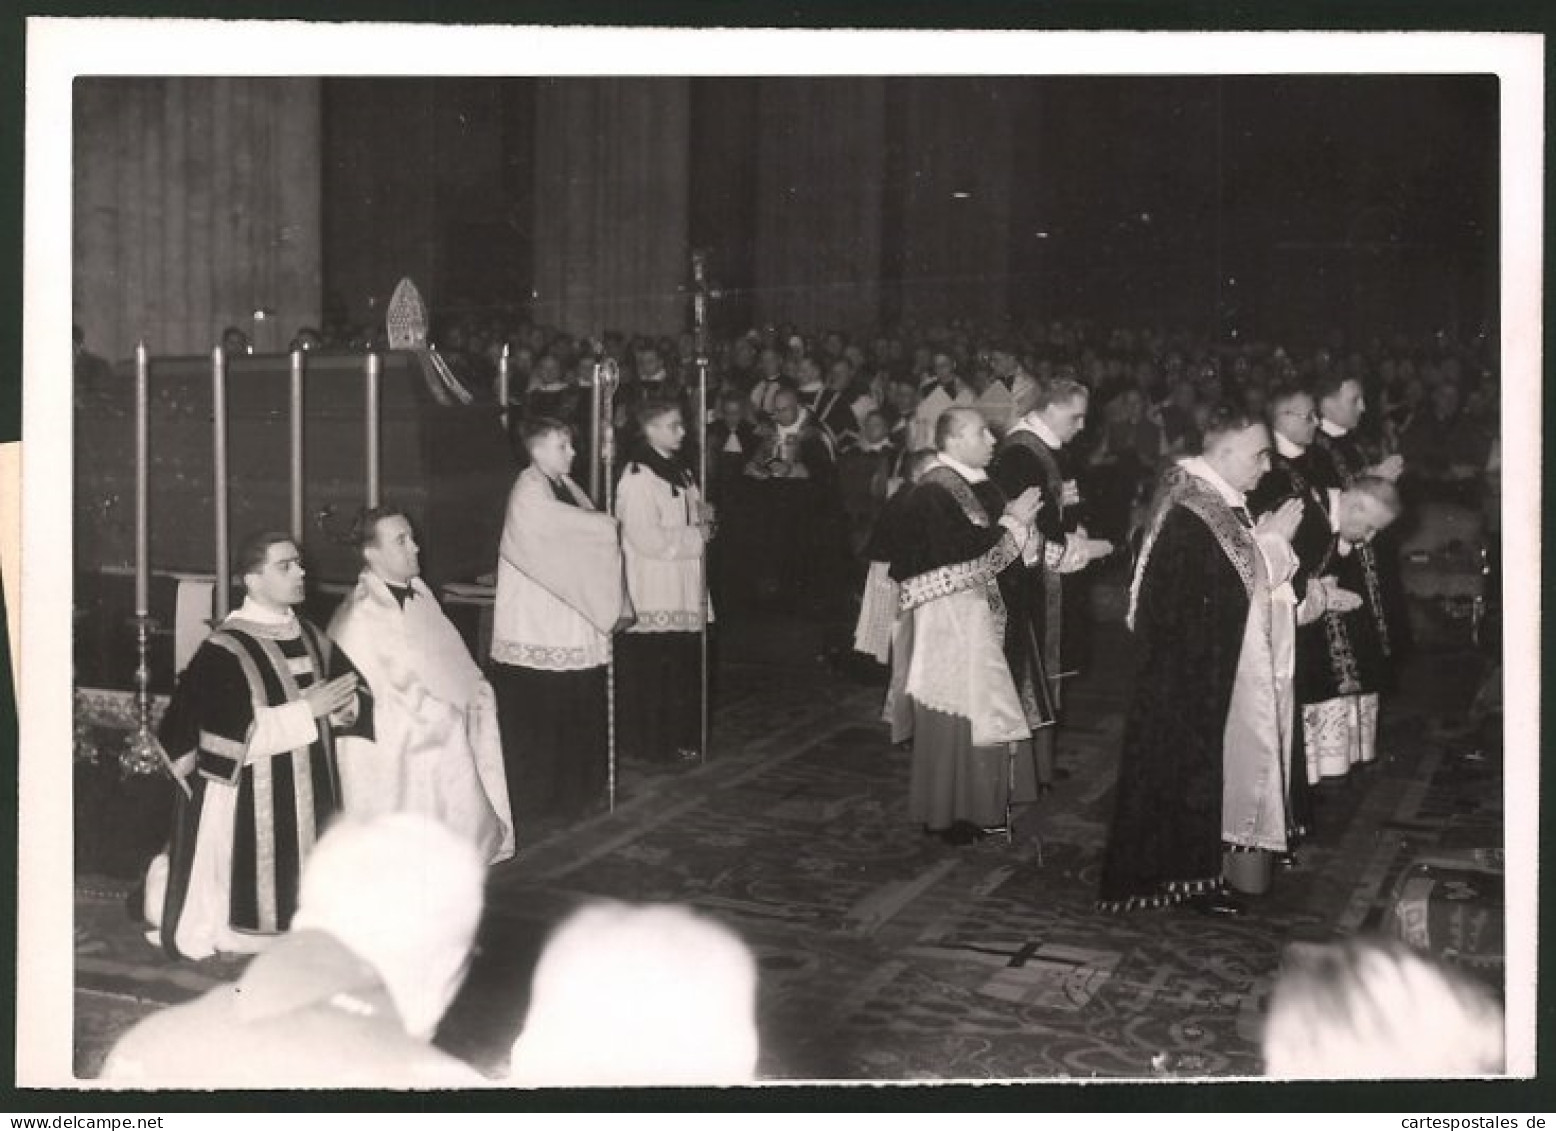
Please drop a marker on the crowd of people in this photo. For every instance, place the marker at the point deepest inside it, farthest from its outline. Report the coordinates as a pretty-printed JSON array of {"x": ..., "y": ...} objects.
[
  {"x": 944, "y": 494},
  {"x": 1434, "y": 399}
]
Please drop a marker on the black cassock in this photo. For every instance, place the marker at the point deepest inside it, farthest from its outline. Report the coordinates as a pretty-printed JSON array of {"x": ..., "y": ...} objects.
[{"x": 1192, "y": 609}]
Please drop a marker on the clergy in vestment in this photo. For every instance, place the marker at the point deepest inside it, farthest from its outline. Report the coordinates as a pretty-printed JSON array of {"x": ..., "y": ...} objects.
[
  {"x": 953, "y": 691},
  {"x": 1207, "y": 734},
  {"x": 665, "y": 529},
  {"x": 248, "y": 735},
  {"x": 560, "y": 595},
  {"x": 832, "y": 407},
  {"x": 1336, "y": 652},
  {"x": 770, "y": 382},
  {"x": 427, "y": 740},
  {"x": 1295, "y": 475},
  {"x": 1031, "y": 456},
  {"x": 1007, "y": 367},
  {"x": 1341, "y": 714},
  {"x": 732, "y": 441}
]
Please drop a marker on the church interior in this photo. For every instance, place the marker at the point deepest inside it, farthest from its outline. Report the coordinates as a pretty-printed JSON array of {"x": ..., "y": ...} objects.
[{"x": 1165, "y": 241}]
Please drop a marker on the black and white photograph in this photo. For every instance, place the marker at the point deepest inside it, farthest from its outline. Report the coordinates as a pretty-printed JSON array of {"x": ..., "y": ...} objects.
[{"x": 613, "y": 558}]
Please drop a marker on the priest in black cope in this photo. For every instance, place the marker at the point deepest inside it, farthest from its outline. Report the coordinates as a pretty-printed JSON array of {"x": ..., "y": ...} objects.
[{"x": 1206, "y": 737}]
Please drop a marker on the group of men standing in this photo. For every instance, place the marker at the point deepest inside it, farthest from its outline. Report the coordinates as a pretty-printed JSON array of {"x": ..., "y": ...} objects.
[
  {"x": 275, "y": 727},
  {"x": 975, "y": 548},
  {"x": 1256, "y": 607}
]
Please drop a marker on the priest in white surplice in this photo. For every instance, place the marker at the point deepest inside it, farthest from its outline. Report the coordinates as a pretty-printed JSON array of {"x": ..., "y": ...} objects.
[{"x": 428, "y": 742}]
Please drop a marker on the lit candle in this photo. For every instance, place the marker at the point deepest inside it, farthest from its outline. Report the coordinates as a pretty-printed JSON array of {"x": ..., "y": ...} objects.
[
  {"x": 296, "y": 419},
  {"x": 503, "y": 379},
  {"x": 142, "y": 475},
  {"x": 373, "y": 367},
  {"x": 219, "y": 479}
]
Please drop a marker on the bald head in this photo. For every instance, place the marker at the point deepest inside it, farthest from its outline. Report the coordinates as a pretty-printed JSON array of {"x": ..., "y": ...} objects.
[
  {"x": 954, "y": 422},
  {"x": 786, "y": 406},
  {"x": 962, "y": 434}
]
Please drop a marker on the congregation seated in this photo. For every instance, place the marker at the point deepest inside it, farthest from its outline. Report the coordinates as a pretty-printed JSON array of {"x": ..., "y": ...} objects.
[{"x": 1437, "y": 398}]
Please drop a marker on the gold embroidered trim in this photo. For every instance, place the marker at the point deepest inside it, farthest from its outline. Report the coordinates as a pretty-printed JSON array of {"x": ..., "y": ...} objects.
[
  {"x": 1369, "y": 564},
  {"x": 1180, "y": 488},
  {"x": 960, "y": 490},
  {"x": 959, "y": 576},
  {"x": 302, "y": 796},
  {"x": 265, "y": 845},
  {"x": 1170, "y": 893}
]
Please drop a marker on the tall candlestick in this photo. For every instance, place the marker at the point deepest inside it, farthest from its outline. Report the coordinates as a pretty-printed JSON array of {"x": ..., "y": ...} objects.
[
  {"x": 296, "y": 418},
  {"x": 503, "y": 380},
  {"x": 373, "y": 369},
  {"x": 219, "y": 480},
  {"x": 142, "y": 477}
]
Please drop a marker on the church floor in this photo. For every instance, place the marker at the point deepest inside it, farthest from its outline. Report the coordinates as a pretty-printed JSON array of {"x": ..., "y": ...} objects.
[{"x": 889, "y": 955}]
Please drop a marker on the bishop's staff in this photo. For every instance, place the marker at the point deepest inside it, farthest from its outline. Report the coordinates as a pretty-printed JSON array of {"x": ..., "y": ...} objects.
[
  {"x": 602, "y": 449},
  {"x": 700, "y": 296}
]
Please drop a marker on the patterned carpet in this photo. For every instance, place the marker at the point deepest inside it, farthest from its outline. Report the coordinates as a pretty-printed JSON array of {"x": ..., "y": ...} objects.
[{"x": 887, "y": 955}]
